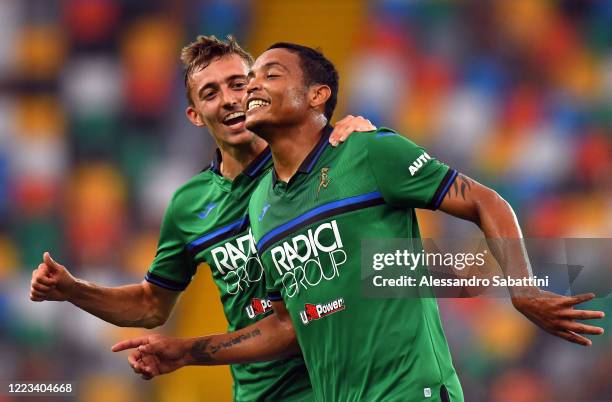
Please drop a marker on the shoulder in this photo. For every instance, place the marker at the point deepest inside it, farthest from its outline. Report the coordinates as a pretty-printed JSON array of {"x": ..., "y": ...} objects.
[
  {"x": 384, "y": 140},
  {"x": 364, "y": 138},
  {"x": 376, "y": 142},
  {"x": 196, "y": 187}
]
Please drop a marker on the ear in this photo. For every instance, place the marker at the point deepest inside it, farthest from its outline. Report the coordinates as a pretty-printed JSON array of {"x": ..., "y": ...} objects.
[
  {"x": 194, "y": 117},
  {"x": 319, "y": 94}
]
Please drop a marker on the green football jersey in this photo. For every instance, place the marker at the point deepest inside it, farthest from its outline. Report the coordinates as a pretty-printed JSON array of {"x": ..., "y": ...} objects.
[
  {"x": 308, "y": 234},
  {"x": 206, "y": 222}
]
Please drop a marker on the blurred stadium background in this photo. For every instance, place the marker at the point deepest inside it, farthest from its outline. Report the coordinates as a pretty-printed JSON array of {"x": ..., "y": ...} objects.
[{"x": 93, "y": 141}]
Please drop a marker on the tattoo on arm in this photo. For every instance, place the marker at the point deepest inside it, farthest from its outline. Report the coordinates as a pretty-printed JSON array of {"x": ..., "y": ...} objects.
[
  {"x": 460, "y": 186},
  {"x": 198, "y": 351},
  {"x": 203, "y": 350}
]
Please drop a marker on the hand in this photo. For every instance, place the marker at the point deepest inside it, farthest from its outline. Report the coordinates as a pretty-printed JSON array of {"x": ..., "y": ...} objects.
[
  {"x": 154, "y": 354},
  {"x": 345, "y": 127},
  {"x": 51, "y": 281},
  {"x": 556, "y": 315}
]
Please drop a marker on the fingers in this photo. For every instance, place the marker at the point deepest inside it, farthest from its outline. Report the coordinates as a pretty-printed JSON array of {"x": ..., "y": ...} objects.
[
  {"x": 45, "y": 280},
  {"x": 39, "y": 275},
  {"x": 149, "y": 366},
  {"x": 582, "y": 314},
  {"x": 145, "y": 365},
  {"x": 348, "y": 125},
  {"x": 135, "y": 361},
  {"x": 130, "y": 344},
  {"x": 579, "y": 298},
  {"x": 148, "y": 348},
  {"x": 34, "y": 294},
  {"x": 39, "y": 287},
  {"x": 50, "y": 262},
  {"x": 364, "y": 125},
  {"x": 581, "y": 328},
  {"x": 35, "y": 297},
  {"x": 570, "y": 330},
  {"x": 340, "y": 133},
  {"x": 573, "y": 337}
]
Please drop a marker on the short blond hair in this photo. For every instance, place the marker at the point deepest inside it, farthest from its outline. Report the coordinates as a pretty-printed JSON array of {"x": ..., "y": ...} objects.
[{"x": 204, "y": 50}]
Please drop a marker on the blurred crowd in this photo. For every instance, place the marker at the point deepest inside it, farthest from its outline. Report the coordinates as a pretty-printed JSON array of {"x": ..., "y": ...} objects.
[{"x": 93, "y": 140}]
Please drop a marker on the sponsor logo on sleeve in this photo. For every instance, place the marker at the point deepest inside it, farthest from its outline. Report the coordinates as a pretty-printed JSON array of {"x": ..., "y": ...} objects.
[{"x": 418, "y": 163}]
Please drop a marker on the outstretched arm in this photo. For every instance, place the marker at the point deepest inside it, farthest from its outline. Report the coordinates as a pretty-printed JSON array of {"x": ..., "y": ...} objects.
[
  {"x": 137, "y": 305},
  {"x": 470, "y": 200},
  {"x": 271, "y": 338}
]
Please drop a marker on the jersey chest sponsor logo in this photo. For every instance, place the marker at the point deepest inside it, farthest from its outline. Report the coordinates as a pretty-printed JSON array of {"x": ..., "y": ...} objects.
[
  {"x": 307, "y": 259},
  {"x": 238, "y": 263},
  {"x": 313, "y": 312},
  {"x": 258, "y": 307},
  {"x": 418, "y": 163}
]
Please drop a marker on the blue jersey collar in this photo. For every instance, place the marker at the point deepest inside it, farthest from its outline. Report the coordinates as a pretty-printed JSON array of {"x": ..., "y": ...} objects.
[
  {"x": 255, "y": 167},
  {"x": 314, "y": 155}
]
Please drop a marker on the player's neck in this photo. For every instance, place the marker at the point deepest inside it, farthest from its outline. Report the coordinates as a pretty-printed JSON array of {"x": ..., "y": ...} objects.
[
  {"x": 292, "y": 146},
  {"x": 235, "y": 159}
]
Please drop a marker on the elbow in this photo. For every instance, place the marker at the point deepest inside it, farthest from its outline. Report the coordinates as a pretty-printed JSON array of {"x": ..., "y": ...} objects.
[
  {"x": 154, "y": 320},
  {"x": 492, "y": 199},
  {"x": 155, "y": 314},
  {"x": 147, "y": 322},
  {"x": 151, "y": 324},
  {"x": 156, "y": 309},
  {"x": 489, "y": 202},
  {"x": 499, "y": 202}
]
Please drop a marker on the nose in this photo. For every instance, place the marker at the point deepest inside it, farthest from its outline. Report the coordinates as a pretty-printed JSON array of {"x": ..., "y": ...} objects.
[
  {"x": 230, "y": 98},
  {"x": 253, "y": 85}
]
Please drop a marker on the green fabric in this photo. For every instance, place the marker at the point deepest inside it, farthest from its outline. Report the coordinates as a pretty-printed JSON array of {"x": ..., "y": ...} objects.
[
  {"x": 308, "y": 234},
  {"x": 204, "y": 222}
]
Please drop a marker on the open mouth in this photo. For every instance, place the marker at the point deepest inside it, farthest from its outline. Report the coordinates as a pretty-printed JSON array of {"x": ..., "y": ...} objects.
[
  {"x": 234, "y": 118},
  {"x": 255, "y": 104}
]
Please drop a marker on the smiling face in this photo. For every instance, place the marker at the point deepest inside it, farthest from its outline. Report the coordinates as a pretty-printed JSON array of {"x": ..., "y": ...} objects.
[
  {"x": 217, "y": 91},
  {"x": 277, "y": 95}
]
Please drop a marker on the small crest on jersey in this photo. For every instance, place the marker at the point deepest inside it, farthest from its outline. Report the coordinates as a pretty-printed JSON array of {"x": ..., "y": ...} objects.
[
  {"x": 206, "y": 211},
  {"x": 313, "y": 312},
  {"x": 323, "y": 180},
  {"x": 258, "y": 307}
]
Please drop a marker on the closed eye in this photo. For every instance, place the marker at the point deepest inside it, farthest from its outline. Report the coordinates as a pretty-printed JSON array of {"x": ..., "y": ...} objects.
[{"x": 209, "y": 96}]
